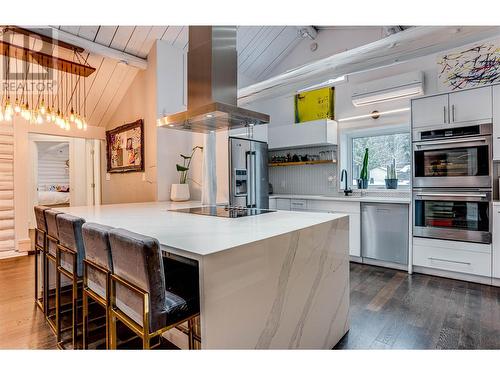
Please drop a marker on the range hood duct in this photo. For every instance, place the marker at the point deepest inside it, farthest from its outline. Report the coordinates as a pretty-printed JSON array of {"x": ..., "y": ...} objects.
[{"x": 212, "y": 84}]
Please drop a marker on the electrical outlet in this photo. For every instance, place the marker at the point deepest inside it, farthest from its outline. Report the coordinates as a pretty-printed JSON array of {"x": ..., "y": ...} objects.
[
  {"x": 108, "y": 176},
  {"x": 144, "y": 177}
]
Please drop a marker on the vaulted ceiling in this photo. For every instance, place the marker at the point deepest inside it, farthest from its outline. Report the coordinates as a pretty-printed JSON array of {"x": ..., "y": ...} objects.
[{"x": 260, "y": 48}]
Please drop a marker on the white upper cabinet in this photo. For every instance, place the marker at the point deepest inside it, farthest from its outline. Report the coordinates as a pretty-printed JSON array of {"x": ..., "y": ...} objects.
[
  {"x": 496, "y": 123},
  {"x": 306, "y": 134},
  {"x": 432, "y": 110},
  {"x": 471, "y": 105},
  {"x": 455, "y": 108}
]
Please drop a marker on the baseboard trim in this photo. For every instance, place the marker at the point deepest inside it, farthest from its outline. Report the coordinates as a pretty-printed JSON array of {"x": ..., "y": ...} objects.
[
  {"x": 379, "y": 263},
  {"x": 454, "y": 275},
  {"x": 382, "y": 263},
  {"x": 24, "y": 246},
  {"x": 11, "y": 254},
  {"x": 355, "y": 259}
]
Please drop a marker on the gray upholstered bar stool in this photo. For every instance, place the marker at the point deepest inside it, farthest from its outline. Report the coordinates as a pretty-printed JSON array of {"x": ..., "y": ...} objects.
[
  {"x": 139, "y": 297},
  {"x": 97, "y": 267},
  {"x": 40, "y": 245},
  {"x": 51, "y": 265},
  {"x": 69, "y": 260}
]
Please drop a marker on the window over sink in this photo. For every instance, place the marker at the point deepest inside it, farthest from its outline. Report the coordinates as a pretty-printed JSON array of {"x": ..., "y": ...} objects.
[{"x": 383, "y": 149}]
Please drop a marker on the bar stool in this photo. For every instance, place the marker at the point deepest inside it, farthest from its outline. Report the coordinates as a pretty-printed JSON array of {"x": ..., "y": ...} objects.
[
  {"x": 138, "y": 295},
  {"x": 52, "y": 241},
  {"x": 69, "y": 260},
  {"x": 40, "y": 245},
  {"x": 97, "y": 267}
]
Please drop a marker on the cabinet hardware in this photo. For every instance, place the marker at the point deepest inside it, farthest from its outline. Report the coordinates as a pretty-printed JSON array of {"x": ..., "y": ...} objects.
[
  {"x": 444, "y": 114},
  {"x": 453, "y": 113},
  {"x": 450, "y": 261}
]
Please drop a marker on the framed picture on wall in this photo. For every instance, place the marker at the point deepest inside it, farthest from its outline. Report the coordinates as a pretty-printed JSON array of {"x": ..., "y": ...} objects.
[{"x": 125, "y": 148}]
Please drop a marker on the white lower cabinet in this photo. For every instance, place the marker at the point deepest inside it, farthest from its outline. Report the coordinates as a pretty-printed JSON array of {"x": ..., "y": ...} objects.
[
  {"x": 298, "y": 204},
  {"x": 272, "y": 204},
  {"x": 353, "y": 209},
  {"x": 496, "y": 242},
  {"x": 283, "y": 204},
  {"x": 355, "y": 234},
  {"x": 454, "y": 256}
]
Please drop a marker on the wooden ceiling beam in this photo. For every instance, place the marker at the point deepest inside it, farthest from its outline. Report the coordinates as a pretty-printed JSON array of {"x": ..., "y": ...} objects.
[
  {"x": 42, "y": 37},
  {"x": 45, "y": 60},
  {"x": 93, "y": 47}
]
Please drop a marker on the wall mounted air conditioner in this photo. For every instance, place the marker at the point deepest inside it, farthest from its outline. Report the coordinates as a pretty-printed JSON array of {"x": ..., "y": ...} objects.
[{"x": 391, "y": 88}]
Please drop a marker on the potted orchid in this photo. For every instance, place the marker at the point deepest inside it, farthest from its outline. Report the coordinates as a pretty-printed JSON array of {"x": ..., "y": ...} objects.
[{"x": 180, "y": 191}]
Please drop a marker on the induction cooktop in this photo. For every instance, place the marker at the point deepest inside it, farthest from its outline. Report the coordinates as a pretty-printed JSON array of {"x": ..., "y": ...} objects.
[{"x": 223, "y": 211}]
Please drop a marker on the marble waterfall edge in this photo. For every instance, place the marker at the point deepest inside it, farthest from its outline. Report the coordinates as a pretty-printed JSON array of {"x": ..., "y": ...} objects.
[{"x": 287, "y": 292}]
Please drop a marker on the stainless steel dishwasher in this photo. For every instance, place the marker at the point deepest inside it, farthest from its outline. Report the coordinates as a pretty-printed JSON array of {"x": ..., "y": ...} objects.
[{"x": 384, "y": 232}]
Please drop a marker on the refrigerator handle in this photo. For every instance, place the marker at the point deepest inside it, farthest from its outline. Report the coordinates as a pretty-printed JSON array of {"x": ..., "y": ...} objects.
[
  {"x": 251, "y": 164},
  {"x": 254, "y": 179},
  {"x": 248, "y": 166}
]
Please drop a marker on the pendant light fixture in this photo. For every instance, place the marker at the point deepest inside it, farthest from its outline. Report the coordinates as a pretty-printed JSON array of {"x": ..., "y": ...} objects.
[{"x": 65, "y": 107}]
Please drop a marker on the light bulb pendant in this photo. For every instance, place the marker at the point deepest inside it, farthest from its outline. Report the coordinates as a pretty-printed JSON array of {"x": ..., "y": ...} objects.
[
  {"x": 42, "y": 108},
  {"x": 17, "y": 107}
]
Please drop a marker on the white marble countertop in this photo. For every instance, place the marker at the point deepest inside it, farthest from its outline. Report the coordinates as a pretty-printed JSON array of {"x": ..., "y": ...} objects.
[
  {"x": 404, "y": 200},
  {"x": 496, "y": 203},
  {"x": 197, "y": 234}
]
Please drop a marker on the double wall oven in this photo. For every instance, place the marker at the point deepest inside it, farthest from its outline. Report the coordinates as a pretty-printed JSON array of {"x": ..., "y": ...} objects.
[{"x": 452, "y": 183}]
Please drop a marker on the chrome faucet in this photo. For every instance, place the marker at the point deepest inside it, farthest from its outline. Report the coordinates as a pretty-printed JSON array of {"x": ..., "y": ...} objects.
[{"x": 347, "y": 190}]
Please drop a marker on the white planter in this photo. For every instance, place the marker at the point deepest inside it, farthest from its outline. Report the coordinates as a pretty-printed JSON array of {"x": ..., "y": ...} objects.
[{"x": 179, "y": 192}]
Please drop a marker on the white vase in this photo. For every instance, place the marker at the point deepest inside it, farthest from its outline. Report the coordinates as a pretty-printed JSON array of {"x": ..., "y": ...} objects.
[{"x": 179, "y": 192}]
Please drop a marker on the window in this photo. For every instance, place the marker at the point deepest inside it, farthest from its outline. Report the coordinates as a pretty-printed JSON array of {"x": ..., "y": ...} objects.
[{"x": 382, "y": 150}]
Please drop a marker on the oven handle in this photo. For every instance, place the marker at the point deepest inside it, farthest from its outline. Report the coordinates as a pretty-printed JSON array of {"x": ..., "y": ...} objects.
[
  {"x": 452, "y": 195},
  {"x": 445, "y": 142}
]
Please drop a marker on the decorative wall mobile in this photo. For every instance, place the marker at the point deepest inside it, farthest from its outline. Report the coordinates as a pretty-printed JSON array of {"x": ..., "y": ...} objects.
[
  {"x": 29, "y": 87},
  {"x": 470, "y": 66}
]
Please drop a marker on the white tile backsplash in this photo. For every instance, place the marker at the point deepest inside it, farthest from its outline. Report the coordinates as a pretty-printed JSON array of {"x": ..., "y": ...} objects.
[{"x": 310, "y": 179}]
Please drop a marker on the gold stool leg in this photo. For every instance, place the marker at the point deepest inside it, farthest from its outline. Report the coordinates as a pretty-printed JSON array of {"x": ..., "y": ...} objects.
[
  {"x": 85, "y": 319},
  {"x": 190, "y": 333},
  {"x": 112, "y": 328},
  {"x": 146, "y": 341},
  {"x": 74, "y": 319},
  {"x": 58, "y": 304},
  {"x": 107, "y": 328}
]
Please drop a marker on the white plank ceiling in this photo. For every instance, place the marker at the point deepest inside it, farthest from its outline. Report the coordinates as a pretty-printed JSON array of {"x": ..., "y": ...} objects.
[{"x": 260, "y": 49}]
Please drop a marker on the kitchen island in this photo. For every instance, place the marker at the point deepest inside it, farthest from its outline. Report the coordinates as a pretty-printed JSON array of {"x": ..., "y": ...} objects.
[{"x": 277, "y": 280}]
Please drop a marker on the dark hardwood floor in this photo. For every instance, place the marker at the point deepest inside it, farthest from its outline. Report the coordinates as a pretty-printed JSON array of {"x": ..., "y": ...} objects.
[
  {"x": 389, "y": 310},
  {"x": 393, "y": 310}
]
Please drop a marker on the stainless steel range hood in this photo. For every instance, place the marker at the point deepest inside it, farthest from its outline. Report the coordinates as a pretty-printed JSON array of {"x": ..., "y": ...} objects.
[{"x": 212, "y": 84}]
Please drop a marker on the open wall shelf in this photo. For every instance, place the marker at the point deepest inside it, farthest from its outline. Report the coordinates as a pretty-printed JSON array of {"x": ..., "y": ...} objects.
[{"x": 288, "y": 164}]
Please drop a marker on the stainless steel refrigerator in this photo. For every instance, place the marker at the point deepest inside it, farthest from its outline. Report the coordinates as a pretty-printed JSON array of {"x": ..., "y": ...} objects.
[{"x": 248, "y": 174}]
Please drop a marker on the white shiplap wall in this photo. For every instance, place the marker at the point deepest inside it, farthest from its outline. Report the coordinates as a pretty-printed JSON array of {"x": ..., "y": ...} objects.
[
  {"x": 304, "y": 179},
  {"x": 52, "y": 169},
  {"x": 7, "y": 233}
]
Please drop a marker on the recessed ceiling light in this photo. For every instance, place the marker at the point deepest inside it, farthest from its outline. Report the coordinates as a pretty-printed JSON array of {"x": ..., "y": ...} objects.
[{"x": 210, "y": 115}]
